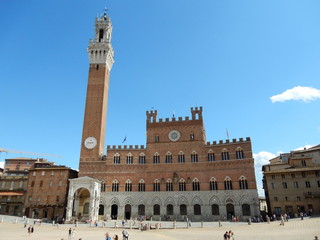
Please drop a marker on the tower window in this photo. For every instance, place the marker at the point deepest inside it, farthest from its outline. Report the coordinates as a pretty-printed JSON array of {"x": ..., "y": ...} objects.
[
  {"x": 169, "y": 186},
  {"x": 181, "y": 158},
  {"x": 142, "y": 186},
  {"x": 115, "y": 186},
  {"x": 129, "y": 158},
  {"x": 243, "y": 183},
  {"x": 182, "y": 185},
  {"x": 100, "y": 34},
  {"x": 156, "y": 186},
  {"x": 195, "y": 185},
  {"x": 239, "y": 154},
  {"x": 168, "y": 158},
  {"x": 116, "y": 159},
  {"x": 227, "y": 184},
  {"x": 156, "y": 139},
  {"x": 194, "y": 157},
  {"x": 191, "y": 136},
  {"x": 128, "y": 186},
  {"x": 225, "y": 155},
  {"x": 97, "y": 66},
  {"x": 142, "y": 158},
  {"x": 211, "y": 157},
  {"x": 156, "y": 158}
]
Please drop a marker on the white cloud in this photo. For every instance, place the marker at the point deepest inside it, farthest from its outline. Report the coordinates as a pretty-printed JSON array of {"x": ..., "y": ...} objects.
[
  {"x": 304, "y": 147},
  {"x": 1, "y": 164},
  {"x": 305, "y": 94},
  {"x": 263, "y": 157}
]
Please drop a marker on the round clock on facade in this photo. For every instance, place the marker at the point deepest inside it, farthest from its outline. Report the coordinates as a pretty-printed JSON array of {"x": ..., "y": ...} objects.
[
  {"x": 90, "y": 142},
  {"x": 174, "y": 135}
]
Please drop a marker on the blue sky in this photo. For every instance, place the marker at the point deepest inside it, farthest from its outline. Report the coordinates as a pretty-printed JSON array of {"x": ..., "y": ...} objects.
[{"x": 252, "y": 65}]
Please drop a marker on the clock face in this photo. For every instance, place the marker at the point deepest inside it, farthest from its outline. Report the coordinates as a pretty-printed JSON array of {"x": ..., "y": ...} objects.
[
  {"x": 174, "y": 135},
  {"x": 90, "y": 142}
]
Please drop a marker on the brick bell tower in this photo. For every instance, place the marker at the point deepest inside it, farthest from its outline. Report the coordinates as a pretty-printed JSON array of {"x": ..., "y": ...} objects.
[{"x": 101, "y": 60}]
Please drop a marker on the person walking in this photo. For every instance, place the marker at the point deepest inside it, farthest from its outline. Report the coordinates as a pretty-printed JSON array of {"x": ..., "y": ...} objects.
[
  {"x": 107, "y": 236},
  {"x": 69, "y": 233},
  {"x": 125, "y": 234}
]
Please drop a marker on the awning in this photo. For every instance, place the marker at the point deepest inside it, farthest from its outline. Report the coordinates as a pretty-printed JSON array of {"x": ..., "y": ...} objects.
[{"x": 11, "y": 194}]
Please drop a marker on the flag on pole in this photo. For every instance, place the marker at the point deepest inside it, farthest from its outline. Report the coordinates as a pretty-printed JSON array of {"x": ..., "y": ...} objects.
[
  {"x": 227, "y": 133},
  {"x": 125, "y": 139}
]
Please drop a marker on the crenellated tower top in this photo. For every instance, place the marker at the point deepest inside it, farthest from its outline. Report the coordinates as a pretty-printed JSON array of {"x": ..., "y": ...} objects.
[{"x": 100, "y": 49}]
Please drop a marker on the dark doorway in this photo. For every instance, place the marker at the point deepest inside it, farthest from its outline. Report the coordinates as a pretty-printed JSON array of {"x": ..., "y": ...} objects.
[
  {"x": 101, "y": 210},
  {"x": 230, "y": 210},
  {"x": 127, "y": 211},
  {"x": 114, "y": 211}
]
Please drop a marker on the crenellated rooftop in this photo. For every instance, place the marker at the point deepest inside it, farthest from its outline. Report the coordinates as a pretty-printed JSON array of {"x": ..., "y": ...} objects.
[{"x": 124, "y": 147}]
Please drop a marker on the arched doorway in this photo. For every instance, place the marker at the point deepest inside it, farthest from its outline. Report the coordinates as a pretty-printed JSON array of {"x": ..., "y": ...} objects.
[
  {"x": 230, "y": 210},
  {"x": 127, "y": 211},
  {"x": 114, "y": 211},
  {"x": 101, "y": 210}
]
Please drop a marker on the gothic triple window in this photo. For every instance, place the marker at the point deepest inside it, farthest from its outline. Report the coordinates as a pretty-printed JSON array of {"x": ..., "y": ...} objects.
[
  {"x": 227, "y": 183},
  {"x": 243, "y": 183},
  {"x": 194, "y": 157},
  {"x": 169, "y": 185},
  {"x": 195, "y": 185},
  {"x": 142, "y": 186},
  {"x": 213, "y": 184},
  {"x": 156, "y": 158},
  {"x": 142, "y": 158},
  {"x": 116, "y": 158},
  {"x": 115, "y": 186},
  {"x": 182, "y": 185},
  {"x": 225, "y": 154},
  {"x": 128, "y": 186},
  {"x": 181, "y": 158},
  {"x": 129, "y": 158},
  {"x": 156, "y": 185},
  {"x": 239, "y": 153},
  {"x": 211, "y": 157},
  {"x": 168, "y": 158},
  {"x": 103, "y": 187}
]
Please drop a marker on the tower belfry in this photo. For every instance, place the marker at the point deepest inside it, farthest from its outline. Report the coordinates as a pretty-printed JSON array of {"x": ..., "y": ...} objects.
[{"x": 101, "y": 60}]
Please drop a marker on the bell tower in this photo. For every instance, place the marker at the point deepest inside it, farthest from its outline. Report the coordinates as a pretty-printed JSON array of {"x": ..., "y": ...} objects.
[{"x": 101, "y": 60}]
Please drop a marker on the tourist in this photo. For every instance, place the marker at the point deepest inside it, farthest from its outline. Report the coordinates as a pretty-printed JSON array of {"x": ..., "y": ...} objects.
[
  {"x": 107, "y": 236},
  {"x": 69, "y": 233},
  {"x": 125, "y": 234},
  {"x": 116, "y": 237}
]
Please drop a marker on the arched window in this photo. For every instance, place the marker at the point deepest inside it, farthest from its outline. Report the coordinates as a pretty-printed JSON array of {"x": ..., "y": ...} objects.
[
  {"x": 169, "y": 185},
  {"x": 211, "y": 156},
  {"x": 213, "y": 184},
  {"x": 215, "y": 209},
  {"x": 156, "y": 158},
  {"x": 227, "y": 183},
  {"x": 129, "y": 158},
  {"x": 181, "y": 158},
  {"x": 246, "y": 211},
  {"x": 169, "y": 209},
  {"x": 243, "y": 183},
  {"x": 183, "y": 209},
  {"x": 195, "y": 185},
  {"x": 156, "y": 185},
  {"x": 168, "y": 157},
  {"x": 194, "y": 157},
  {"x": 182, "y": 185},
  {"x": 156, "y": 209},
  {"x": 142, "y": 158},
  {"x": 128, "y": 186},
  {"x": 239, "y": 153},
  {"x": 116, "y": 158},
  {"x": 142, "y": 186},
  {"x": 115, "y": 186},
  {"x": 197, "y": 209},
  {"x": 225, "y": 154}
]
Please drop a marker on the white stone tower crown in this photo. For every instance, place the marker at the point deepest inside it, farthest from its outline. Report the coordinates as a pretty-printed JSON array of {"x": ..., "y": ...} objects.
[{"x": 100, "y": 49}]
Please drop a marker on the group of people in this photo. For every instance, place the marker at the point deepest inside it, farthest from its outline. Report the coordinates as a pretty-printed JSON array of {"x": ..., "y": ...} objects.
[
  {"x": 30, "y": 230},
  {"x": 71, "y": 233},
  {"x": 125, "y": 235},
  {"x": 228, "y": 235}
]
